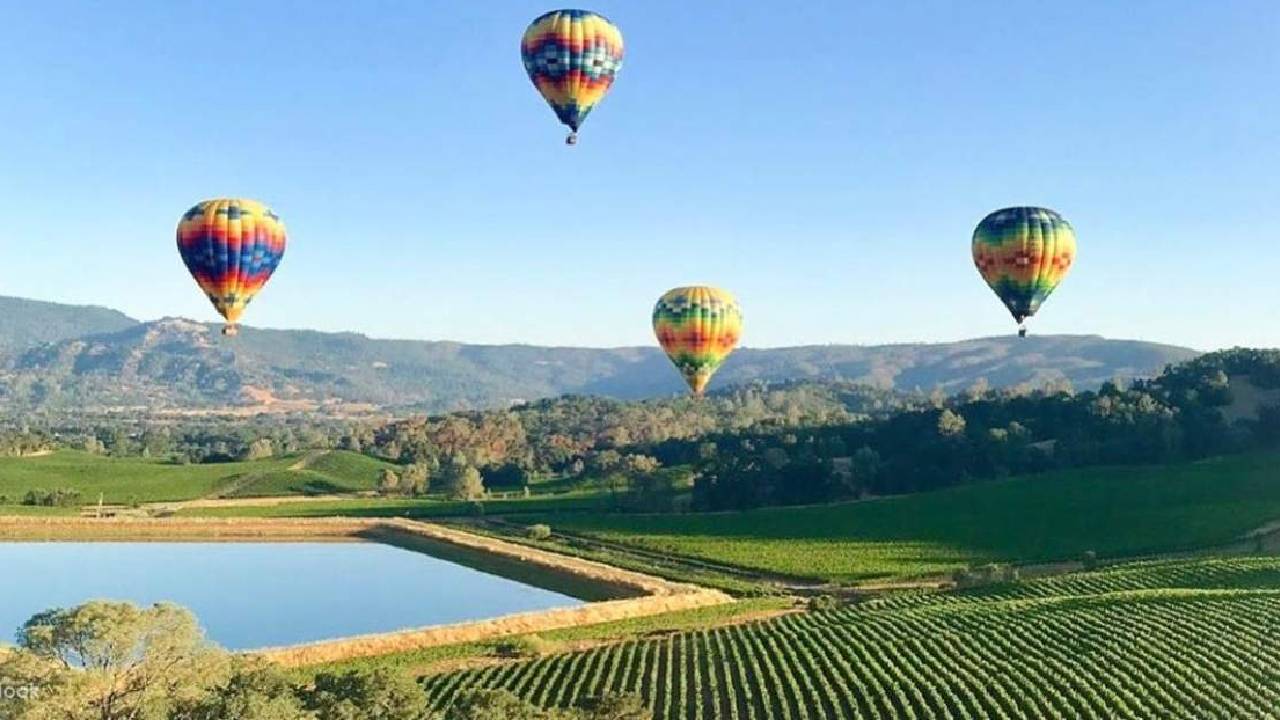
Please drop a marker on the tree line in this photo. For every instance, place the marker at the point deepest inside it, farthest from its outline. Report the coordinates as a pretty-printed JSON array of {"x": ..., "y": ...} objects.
[
  {"x": 752, "y": 445},
  {"x": 117, "y": 661},
  {"x": 1217, "y": 404}
]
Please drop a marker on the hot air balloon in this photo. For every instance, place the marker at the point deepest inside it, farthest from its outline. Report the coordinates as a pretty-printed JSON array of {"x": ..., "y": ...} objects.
[
  {"x": 1023, "y": 253},
  {"x": 571, "y": 57},
  {"x": 231, "y": 246},
  {"x": 697, "y": 327}
]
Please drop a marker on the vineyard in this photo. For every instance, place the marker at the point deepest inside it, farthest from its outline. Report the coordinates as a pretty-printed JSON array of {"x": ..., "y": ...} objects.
[
  {"x": 1175, "y": 639},
  {"x": 1115, "y": 512}
]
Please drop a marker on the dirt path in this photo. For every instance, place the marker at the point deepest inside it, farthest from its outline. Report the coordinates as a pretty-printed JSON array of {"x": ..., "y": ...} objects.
[
  {"x": 242, "y": 481},
  {"x": 305, "y": 461},
  {"x": 219, "y": 499},
  {"x": 270, "y": 501}
]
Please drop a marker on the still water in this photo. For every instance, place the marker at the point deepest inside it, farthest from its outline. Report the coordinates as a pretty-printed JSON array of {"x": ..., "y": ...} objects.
[{"x": 250, "y": 595}]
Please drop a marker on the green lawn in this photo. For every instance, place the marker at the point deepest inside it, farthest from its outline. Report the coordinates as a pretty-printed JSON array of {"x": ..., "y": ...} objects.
[
  {"x": 1113, "y": 511},
  {"x": 122, "y": 480}
]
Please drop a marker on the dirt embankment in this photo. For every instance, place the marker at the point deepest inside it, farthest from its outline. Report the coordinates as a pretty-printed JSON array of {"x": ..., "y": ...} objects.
[
  {"x": 519, "y": 624},
  {"x": 89, "y": 528},
  {"x": 659, "y": 596},
  {"x": 656, "y": 595}
]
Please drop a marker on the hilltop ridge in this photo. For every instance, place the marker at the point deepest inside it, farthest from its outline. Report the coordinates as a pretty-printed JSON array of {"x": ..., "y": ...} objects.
[{"x": 54, "y": 355}]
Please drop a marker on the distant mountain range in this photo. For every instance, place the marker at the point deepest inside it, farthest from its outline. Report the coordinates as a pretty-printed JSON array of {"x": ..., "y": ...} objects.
[{"x": 54, "y": 355}]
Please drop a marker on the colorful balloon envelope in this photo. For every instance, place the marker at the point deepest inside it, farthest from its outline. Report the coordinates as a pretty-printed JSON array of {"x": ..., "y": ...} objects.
[
  {"x": 231, "y": 246},
  {"x": 1023, "y": 253},
  {"x": 572, "y": 57},
  {"x": 697, "y": 327}
]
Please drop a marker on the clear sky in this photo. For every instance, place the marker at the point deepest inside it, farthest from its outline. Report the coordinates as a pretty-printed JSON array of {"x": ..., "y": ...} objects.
[{"x": 827, "y": 161}]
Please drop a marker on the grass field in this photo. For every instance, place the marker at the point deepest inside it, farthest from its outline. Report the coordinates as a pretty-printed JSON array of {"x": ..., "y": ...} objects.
[
  {"x": 1179, "y": 640},
  {"x": 424, "y": 508},
  {"x": 1113, "y": 511},
  {"x": 122, "y": 480},
  {"x": 322, "y": 473}
]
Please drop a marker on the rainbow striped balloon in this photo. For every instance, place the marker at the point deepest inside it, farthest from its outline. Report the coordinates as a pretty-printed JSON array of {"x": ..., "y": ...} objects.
[
  {"x": 231, "y": 246},
  {"x": 697, "y": 327},
  {"x": 572, "y": 57},
  {"x": 1023, "y": 253}
]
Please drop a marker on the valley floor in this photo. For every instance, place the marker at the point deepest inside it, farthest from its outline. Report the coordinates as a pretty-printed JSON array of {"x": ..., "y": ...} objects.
[{"x": 1191, "y": 635}]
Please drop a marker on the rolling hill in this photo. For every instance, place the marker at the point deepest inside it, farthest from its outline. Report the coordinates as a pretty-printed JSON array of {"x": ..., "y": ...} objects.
[
  {"x": 1114, "y": 511},
  {"x": 26, "y": 323},
  {"x": 76, "y": 357},
  {"x": 120, "y": 480}
]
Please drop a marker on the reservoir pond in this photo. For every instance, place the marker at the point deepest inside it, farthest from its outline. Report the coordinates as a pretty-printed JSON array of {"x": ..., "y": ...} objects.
[{"x": 259, "y": 594}]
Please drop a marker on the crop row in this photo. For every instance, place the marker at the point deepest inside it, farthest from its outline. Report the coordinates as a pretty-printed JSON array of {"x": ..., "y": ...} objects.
[
  {"x": 1170, "y": 653},
  {"x": 1204, "y": 573}
]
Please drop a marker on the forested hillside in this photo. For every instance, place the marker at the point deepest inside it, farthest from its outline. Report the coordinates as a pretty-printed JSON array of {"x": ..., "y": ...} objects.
[
  {"x": 57, "y": 356},
  {"x": 27, "y": 323}
]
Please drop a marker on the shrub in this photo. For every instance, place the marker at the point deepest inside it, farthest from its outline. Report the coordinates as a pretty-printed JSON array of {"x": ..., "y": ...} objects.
[
  {"x": 614, "y": 706},
  {"x": 523, "y": 646},
  {"x": 492, "y": 705},
  {"x": 989, "y": 574},
  {"x": 823, "y": 603},
  {"x": 539, "y": 531},
  {"x": 1089, "y": 559},
  {"x": 62, "y": 497}
]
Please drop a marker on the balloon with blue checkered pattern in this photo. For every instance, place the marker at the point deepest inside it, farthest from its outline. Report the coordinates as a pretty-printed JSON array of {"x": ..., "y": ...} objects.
[
  {"x": 572, "y": 57},
  {"x": 231, "y": 246}
]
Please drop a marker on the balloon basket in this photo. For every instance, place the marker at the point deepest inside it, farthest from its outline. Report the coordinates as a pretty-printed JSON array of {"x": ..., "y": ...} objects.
[
  {"x": 572, "y": 139},
  {"x": 230, "y": 330}
]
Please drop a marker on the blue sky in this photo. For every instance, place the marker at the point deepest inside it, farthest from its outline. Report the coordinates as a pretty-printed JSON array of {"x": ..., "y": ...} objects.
[{"x": 826, "y": 161}]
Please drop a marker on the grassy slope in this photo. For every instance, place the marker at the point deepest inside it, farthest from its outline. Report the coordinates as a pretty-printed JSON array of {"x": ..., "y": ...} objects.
[
  {"x": 123, "y": 480},
  {"x": 331, "y": 472},
  {"x": 119, "y": 480},
  {"x": 1113, "y": 511}
]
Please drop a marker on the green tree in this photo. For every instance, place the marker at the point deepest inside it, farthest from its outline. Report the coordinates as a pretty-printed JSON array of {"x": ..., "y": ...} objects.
[
  {"x": 112, "y": 661},
  {"x": 259, "y": 449},
  {"x": 460, "y": 480},
  {"x": 950, "y": 423},
  {"x": 415, "y": 479},
  {"x": 364, "y": 695},
  {"x": 120, "y": 445},
  {"x": 614, "y": 706},
  {"x": 865, "y": 467},
  {"x": 492, "y": 705},
  {"x": 468, "y": 486},
  {"x": 254, "y": 691},
  {"x": 977, "y": 390},
  {"x": 388, "y": 482}
]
